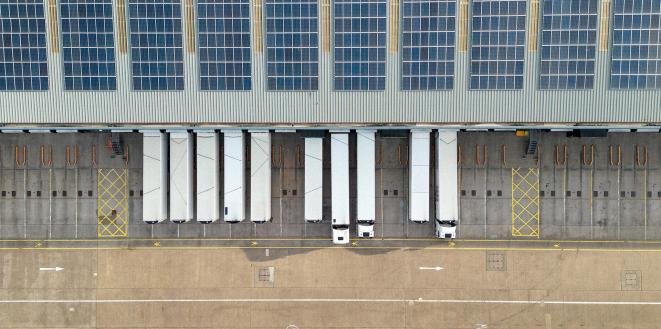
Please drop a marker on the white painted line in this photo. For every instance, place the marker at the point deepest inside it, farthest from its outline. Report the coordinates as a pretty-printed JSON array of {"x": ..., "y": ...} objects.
[
  {"x": 56, "y": 269},
  {"x": 437, "y": 268},
  {"x": 324, "y": 300}
]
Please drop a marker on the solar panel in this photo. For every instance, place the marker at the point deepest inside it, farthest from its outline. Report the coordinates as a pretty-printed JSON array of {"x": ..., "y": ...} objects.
[
  {"x": 23, "y": 45},
  {"x": 88, "y": 45},
  {"x": 156, "y": 44},
  {"x": 224, "y": 44},
  {"x": 498, "y": 44},
  {"x": 569, "y": 44},
  {"x": 636, "y": 52},
  {"x": 292, "y": 45},
  {"x": 428, "y": 33},
  {"x": 360, "y": 44}
]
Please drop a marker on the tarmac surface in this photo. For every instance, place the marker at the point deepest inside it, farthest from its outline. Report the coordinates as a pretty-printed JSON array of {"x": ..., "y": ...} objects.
[{"x": 272, "y": 283}]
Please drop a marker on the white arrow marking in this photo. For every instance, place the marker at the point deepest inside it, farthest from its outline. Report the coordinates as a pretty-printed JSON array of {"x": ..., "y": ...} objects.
[
  {"x": 437, "y": 268},
  {"x": 56, "y": 269}
]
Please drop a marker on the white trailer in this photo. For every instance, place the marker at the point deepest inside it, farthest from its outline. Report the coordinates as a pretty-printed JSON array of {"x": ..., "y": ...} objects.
[
  {"x": 260, "y": 176},
  {"x": 419, "y": 176},
  {"x": 182, "y": 177},
  {"x": 365, "y": 184},
  {"x": 154, "y": 177},
  {"x": 447, "y": 184},
  {"x": 234, "y": 176},
  {"x": 340, "y": 187},
  {"x": 313, "y": 179},
  {"x": 208, "y": 177}
]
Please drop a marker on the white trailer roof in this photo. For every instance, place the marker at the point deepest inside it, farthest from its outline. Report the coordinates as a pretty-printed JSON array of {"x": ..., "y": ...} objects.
[
  {"x": 313, "y": 179},
  {"x": 447, "y": 176},
  {"x": 419, "y": 176},
  {"x": 340, "y": 178},
  {"x": 366, "y": 167},
  {"x": 260, "y": 176},
  {"x": 208, "y": 177},
  {"x": 154, "y": 176},
  {"x": 234, "y": 176},
  {"x": 182, "y": 177}
]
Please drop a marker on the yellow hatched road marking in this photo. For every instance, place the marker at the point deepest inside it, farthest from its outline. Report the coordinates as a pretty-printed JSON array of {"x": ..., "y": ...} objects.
[
  {"x": 112, "y": 203},
  {"x": 525, "y": 202}
]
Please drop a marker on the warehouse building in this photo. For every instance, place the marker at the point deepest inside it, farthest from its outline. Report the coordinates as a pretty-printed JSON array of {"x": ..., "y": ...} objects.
[{"x": 347, "y": 111}]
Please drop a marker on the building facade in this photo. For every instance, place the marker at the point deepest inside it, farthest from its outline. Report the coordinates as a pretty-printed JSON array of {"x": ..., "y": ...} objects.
[{"x": 302, "y": 63}]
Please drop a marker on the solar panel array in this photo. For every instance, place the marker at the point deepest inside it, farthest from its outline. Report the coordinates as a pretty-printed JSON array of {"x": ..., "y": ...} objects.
[
  {"x": 292, "y": 45},
  {"x": 224, "y": 44},
  {"x": 428, "y": 33},
  {"x": 498, "y": 44},
  {"x": 23, "y": 46},
  {"x": 88, "y": 45},
  {"x": 360, "y": 44},
  {"x": 636, "y": 52},
  {"x": 569, "y": 44},
  {"x": 156, "y": 44}
]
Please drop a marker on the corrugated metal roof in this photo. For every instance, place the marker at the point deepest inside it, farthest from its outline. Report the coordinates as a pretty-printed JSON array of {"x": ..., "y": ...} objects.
[{"x": 326, "y": 107}]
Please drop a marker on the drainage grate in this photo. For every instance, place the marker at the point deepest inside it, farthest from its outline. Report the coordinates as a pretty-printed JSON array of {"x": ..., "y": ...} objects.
[
  {"x": 631, "y": 280},
  {"x": 496, "y": 261},
  {"x": 264, "y": 276}
]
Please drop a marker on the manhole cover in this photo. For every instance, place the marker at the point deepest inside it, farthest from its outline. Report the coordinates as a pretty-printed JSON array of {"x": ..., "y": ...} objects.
[
  {"x": 496, "y": 261},
  {"x": 631, "y": 280}
]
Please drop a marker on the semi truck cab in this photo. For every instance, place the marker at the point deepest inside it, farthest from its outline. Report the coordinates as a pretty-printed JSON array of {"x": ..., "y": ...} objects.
[
  {"x": 340, "y": 234},
  {"x": 446, "y": 229},
  {"x": 365, "y": 228}
]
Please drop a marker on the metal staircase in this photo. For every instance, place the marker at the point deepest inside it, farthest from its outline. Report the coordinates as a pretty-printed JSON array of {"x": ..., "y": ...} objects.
[
  {"x": 115, "y": 144},
  {"x": 533, "y": 141}
]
